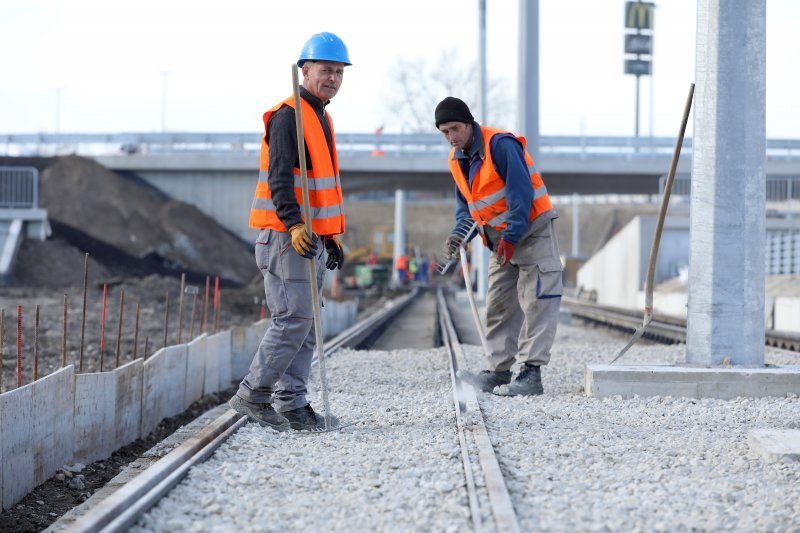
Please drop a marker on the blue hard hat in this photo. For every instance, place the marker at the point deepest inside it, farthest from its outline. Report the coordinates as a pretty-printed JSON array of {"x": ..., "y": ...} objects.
[{"x": 324, "y": 46}]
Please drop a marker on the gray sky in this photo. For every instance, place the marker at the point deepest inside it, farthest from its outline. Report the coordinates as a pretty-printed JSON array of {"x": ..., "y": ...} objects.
[{"x": 96, "y": 65}]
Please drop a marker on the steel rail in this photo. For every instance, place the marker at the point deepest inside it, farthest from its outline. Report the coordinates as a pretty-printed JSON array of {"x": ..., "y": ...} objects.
[
  {"x": 466, "y": 404},
  {"x": 665, "y": 329},
  {"x": 124, "y": 507}
]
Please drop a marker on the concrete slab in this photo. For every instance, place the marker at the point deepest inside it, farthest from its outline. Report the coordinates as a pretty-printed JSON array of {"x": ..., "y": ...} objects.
[
  {"x": 163, "y": 386},
  {"x": 725, "y": 383},
  {"x": 53, "y": 419},
  {"x": 195, "y": 370},
  {"x": 221, "y": 345},
  {"x": 775, "y": 444},
  {"x": 16, "y": 454},
  {"x": 212, "y": 363},
  {"x": 94, "y": 416},
  {"x": 128, "y": 402},
  {"x": 241, "y": 354}
]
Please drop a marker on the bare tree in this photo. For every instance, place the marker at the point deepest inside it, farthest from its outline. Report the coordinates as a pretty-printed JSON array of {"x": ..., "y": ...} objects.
[{"x": 419, "y": 87}]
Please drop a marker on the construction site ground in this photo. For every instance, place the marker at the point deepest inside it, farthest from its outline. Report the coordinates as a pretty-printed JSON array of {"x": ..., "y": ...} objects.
[{"x": 139, "y": 240}]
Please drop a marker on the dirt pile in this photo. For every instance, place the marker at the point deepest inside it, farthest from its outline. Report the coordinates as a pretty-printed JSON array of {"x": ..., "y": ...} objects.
[{"x": 133, "y": 228}]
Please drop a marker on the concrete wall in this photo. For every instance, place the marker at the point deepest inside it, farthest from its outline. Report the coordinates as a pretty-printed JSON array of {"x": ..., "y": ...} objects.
[
  {"x": 66, "y": 417},
  {"x": 787, "y": 314},
  {"x": 618, "y": 271}
]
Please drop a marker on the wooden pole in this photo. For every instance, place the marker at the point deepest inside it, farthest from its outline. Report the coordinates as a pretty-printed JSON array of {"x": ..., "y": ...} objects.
[{"x": 204, "y": 320}]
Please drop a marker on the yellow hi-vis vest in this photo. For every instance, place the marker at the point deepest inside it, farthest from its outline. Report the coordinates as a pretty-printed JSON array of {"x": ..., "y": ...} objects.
[
  {"x": 324, "y": 186},
  {"x": 487, "y": 197}
]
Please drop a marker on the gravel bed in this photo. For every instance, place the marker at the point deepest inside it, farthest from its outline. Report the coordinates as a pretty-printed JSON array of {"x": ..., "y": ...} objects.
[
  {"x": 398, "y": 468},
  {"x": 574, "y": 463}
]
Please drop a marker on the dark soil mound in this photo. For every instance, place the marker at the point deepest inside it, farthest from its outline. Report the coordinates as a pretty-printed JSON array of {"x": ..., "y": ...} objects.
[{"x": 131, "y": 228}]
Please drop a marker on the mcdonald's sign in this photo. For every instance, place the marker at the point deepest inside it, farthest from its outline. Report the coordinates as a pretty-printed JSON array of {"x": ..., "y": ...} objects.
[{"x": 639, "y": 15}]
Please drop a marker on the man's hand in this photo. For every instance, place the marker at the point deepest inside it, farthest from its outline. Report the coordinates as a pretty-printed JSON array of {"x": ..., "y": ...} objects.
[
  {"x": 303, "y": 244},
  {"x": 505, "y": 251},
  {"x": 335, "y": 252},
  {"x": 451, "y": 244}
]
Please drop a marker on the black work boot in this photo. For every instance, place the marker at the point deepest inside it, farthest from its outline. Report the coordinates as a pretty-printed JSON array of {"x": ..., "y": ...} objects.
[
  {"x": 263, "y": 413},
  {"x": 304, "y": 418},
  {"x": 485, "y": 380},
  {"x": 527, "y": 383}
]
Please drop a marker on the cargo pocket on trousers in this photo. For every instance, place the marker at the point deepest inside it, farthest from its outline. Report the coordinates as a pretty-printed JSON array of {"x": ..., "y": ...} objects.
[{"x": 549, "y": 283}]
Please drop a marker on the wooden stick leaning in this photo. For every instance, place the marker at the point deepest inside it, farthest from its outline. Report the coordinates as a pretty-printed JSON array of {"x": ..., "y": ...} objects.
[
  {"x": 651, "y": 268},
  {"x": 319, "y": 352}
]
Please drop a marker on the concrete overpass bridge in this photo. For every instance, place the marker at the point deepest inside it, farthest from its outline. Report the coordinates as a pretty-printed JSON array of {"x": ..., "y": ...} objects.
[{"x": 217, "y": 171}]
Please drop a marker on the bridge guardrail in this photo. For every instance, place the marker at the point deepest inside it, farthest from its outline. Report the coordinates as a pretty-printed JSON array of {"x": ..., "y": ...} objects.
[
  {"x": 381, "y": 145},
  {"x": 19, "y": 187}
]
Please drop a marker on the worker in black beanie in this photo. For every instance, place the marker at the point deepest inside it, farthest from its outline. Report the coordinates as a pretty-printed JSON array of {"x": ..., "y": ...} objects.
[
  {"x": 452, "y": 109},
  {"x": 498, "y": 185}
]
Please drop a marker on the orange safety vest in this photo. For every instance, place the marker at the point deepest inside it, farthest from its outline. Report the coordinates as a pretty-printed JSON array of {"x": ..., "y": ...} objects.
[
  {"x": 487, "y": 198},
  {"x": 324, "y": 185}
]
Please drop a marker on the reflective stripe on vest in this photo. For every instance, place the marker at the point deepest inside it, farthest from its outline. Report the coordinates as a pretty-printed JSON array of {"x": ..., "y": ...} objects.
[
  {"x": 324, "y": 185},
  {"x": 486, "y": 198}
]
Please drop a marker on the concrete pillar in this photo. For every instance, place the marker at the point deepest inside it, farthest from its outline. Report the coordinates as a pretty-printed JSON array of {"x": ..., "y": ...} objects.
[
  {"x": 528, "y": 75},
  {"x": 399, "y": 230},
  {"x": 726, "y": 261}
]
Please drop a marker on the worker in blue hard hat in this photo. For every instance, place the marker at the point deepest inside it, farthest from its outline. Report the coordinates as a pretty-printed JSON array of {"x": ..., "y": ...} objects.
[{"x": 274, "y": 391}]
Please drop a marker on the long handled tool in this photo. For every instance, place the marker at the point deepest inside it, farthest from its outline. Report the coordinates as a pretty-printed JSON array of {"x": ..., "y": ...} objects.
[
  {"x": 318, "y": 350},
  {"x": 651, "y": 267},
  {"x": 471, "y": 297}
]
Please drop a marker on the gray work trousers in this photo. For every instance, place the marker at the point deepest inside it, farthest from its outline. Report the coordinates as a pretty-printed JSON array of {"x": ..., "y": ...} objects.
[
  {"x": 523, "y": 299},
  {"x": 283, "y": 361}
]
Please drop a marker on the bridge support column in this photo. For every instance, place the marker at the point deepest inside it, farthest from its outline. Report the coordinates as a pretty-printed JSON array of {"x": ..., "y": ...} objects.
[
  {"x": 725, "y": 317},
  {"x": 399, "y": 231}
]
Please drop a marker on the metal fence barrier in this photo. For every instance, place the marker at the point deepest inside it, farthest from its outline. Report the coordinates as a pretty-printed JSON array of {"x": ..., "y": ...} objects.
[
  {"x": 19, "y": 187},
  {"x": 778, "y": 188}
]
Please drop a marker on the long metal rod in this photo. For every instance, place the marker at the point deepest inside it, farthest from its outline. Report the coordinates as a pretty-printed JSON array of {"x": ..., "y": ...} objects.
[
  {"x": 662, "y": 214},
  {"x": 472, "y": 304},
  {"x": 318, "y": 350}
]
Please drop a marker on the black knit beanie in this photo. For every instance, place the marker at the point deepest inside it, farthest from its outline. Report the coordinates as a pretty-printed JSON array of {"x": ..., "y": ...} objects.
[{"x": 451, "y": 109}]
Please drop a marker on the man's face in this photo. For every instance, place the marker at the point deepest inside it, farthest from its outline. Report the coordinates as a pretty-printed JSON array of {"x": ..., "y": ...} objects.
[
  {"x": 458, "y": 134},
  {"x": 323, "y": 78}
]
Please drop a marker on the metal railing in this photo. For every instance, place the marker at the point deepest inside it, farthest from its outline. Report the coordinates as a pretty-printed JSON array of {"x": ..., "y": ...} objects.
[
  {"x": 778, "y": 188},
  {"x": 382, "y": 145},
  {"x": 19, "y": 187}
]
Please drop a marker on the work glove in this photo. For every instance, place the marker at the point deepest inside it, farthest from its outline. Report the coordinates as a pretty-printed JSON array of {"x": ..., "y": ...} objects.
[
  {"x": 505, "y": 251},
  {"x": 452, "y": 243},
  {"x": 335, "y": 252},
  {"x": 303, "y": 244}
]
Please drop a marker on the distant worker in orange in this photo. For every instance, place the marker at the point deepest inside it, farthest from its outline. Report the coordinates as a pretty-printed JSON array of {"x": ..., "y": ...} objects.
[
  {"x": 401, "y": 265},
  {"x": 498, "y": 185},
  {"x": 274, "y": 391}
]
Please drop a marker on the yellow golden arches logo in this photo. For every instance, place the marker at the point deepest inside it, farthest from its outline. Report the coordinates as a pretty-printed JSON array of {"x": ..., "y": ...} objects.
[{"x": 639, "y": 15}]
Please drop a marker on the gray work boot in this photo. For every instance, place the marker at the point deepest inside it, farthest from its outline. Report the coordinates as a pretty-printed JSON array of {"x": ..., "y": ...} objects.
[
  {"x": 527, "y": 383},
  {"x": 263, "y": 413},
  {"x": 485, "y": 380},
  {"x": 304, "y": 418}
]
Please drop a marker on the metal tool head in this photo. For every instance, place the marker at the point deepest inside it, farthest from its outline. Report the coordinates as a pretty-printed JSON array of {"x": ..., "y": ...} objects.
[{"x": 465, "y": 230}]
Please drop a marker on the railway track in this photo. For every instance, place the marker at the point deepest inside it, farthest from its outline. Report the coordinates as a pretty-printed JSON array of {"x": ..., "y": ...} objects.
[
  {"x": 490, "y": 507},
  {"x": 663, "y": 329}
]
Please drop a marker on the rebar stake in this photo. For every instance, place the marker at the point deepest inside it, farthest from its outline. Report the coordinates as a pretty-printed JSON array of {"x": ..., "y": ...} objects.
[
  {"x": 166, "y": 321},
  {"x": 64, "y": 336},
  {"x": 180, "y": 307},
  {"x": 119, "y": 326},
  {"x": 19, "y": 346},
  {"x": 36, "y": 345},
  {"x": 103, "y": 327},
  {"x": 83, "y": 318},
  {"x": 191, "y": 322},
  {"x": 136, "y": 332}
]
